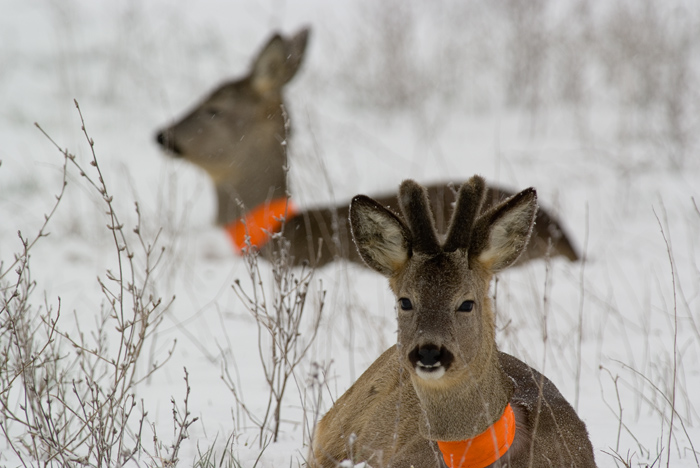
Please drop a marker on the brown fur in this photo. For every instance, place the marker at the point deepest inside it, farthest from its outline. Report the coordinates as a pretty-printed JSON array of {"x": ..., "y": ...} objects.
[
  {"x": 402, "y": 404},
  {"x": 235, "y": 135}
]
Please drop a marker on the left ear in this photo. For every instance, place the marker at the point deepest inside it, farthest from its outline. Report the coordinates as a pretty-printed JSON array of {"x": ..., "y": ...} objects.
[{"x": 501, "y": 234}]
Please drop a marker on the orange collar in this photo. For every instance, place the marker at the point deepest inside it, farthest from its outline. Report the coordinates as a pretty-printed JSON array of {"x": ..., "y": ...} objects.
[
  {"x": 255, "y": 228},
  {"x": 484, "y": 449}
]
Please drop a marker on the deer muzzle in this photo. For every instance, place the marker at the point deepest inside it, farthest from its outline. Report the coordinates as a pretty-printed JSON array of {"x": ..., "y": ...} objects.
[
  {"x": 166, "y": 139},
  {"x": 430, "y": 361}
]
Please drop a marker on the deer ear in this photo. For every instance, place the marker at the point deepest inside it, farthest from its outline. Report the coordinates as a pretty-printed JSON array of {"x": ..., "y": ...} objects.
[
  {"x": 278, "y": 62},
  {"x": 382, "y": 239},
  {"x": 296, "y": 48},
  {"x": 502, "y": 233}
]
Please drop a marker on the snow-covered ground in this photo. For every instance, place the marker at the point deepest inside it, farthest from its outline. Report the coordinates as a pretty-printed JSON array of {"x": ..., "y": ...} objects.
[{"x": 595, "y": 104}]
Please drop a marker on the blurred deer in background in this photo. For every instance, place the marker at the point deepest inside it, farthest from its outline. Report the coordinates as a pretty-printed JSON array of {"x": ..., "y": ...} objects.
[
  {"x": 444, "y": 395},
  {"x": 237, "y": 136}
]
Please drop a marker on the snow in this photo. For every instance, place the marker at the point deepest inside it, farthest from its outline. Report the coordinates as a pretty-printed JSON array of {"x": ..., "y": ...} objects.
[{"x": 626, "y": 191}]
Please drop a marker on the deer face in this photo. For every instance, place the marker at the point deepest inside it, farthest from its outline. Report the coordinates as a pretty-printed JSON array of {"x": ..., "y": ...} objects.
[
  {"x": 230, "y": 132},
  {"x": 444, "y": 315},
  {"x": 445, "y": 318},
  {"x": 239, "y": 129}
]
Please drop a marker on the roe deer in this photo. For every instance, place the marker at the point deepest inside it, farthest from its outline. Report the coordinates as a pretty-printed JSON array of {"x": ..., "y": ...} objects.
[
  {"x": 236, "y": 135},
  {"x": 444, "y": 395}
]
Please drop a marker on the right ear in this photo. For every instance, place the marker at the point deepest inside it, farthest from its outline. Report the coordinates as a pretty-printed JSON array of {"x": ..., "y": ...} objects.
[{"x": 382, "y": 239}]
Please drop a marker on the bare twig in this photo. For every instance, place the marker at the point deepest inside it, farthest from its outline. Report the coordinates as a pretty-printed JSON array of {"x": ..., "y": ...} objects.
[
  {"x": 280, "y": 321},
  {"x": 675, "y": 339},
  {"x": 75, "y": 392}
]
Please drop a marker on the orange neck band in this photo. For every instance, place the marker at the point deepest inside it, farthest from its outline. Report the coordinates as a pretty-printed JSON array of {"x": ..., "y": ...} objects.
[
  {"x": 255, "y": 227},
  {"x": 484, "y": 449}
]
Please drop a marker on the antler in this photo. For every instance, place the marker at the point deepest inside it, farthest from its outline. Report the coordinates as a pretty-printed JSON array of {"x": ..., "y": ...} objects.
[
  {"x": 469, "y": 201},
  {"x": 469, "y": 228},
  {"x": 415, "y": 207}
]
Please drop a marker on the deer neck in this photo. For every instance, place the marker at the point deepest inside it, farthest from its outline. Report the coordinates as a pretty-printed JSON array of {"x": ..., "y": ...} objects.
[
  {"x": 465, "y": 409},
  {"x": 241, "y": 193}
]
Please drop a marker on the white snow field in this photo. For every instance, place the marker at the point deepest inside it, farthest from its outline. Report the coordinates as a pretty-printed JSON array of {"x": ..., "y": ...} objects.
[{"x": 595, "y": 103}]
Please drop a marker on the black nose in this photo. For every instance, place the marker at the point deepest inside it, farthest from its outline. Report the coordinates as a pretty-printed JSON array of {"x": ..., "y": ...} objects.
[
  {"x": 426, "y": 355},
  {"x": 429, "y": 355},
  {"x": 166, "y": 140}
]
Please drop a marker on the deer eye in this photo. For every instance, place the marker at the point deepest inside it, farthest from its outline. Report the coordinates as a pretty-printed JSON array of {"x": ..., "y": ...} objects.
[
  {"x": 405, "y": 304},
  {"x": 466, "y": 306}
]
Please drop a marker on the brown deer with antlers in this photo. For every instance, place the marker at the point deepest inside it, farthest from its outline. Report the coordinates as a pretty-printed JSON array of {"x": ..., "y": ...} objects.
[
  {"x": 236, "y": 136},
  {"x": 444, "y": 395}
]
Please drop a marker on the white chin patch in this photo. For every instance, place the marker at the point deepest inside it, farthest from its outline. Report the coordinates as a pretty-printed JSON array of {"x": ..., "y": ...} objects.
[{"x": 430, "y": 373}]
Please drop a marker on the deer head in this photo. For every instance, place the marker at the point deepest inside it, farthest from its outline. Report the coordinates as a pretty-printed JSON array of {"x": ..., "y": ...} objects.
[
  {"x": 236, "y": 133},
  {"x": 446, "y": 330}
]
